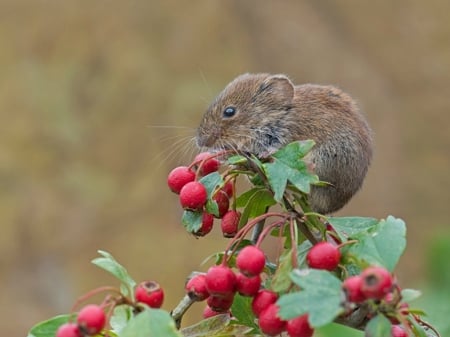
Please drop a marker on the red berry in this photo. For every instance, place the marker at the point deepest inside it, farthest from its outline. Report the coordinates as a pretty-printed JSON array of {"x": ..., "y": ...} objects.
[
  {"x": 91, "y": 319},
  {"x": 299, "y": 327},
  {"x": 193, "y": 196},
  {"x": 208, "y": 165},
  {"x": 228, "y": 188},
  {"x": 262, "y": 300},
  {"x": 68, "y": 330},
  {"x": 223, "y": 202},
  {"x": 208, "y": 312},
  {"x": 352, "y": 288},
  {"x": 247, "y": 286},
  {"x": 207, "y": 224},
  {"x": 179, "y": 177},
  {"x": 398, "y": 331},
  {"x": 196, "y": 288},
  {"x": 150, "y": 293},
  {"x": 220, "y": 281},
  {"x": 220, "y": 304},
  {"x": 377, "y": 282},
  {"x": 323, "y": 255},
  {"x": 251, "y": 260},
  {"x": 269, "y": 321},
  {"x": 230, "y": 223}
]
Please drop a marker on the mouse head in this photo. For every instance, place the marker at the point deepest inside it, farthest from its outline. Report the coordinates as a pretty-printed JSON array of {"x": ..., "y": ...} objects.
[{"x": 250, "y": 115}]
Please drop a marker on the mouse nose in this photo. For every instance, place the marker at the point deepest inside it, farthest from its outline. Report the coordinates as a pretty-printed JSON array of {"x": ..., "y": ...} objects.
[{"x": 208, "y": 139}]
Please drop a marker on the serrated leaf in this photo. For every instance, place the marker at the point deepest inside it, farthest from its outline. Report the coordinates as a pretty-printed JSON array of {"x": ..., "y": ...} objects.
[
  {"x": 192, "y": 221},
  {"x": 409, "y": 295},
  {"x": 151, "y": 323},
  {"x": 302, "y": 251},
  {"x": 379, "y": 326},
  {"x": 211, "y": 182},
  {"x": 108, "y": 263},
  {"x": 320, "y": 297},
  {"x": 242, "y": 312},
  {"x": 348, "y": 226},
  {"x": 48, "y": 328},
  {"x": 382, "y": 244}
]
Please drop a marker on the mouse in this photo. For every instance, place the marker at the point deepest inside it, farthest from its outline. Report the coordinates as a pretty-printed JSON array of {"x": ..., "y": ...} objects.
[{"x": 260, "y": 113}]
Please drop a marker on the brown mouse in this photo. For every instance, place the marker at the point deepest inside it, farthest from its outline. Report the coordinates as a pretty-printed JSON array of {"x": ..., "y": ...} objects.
[{"x": 259, "y": 113}]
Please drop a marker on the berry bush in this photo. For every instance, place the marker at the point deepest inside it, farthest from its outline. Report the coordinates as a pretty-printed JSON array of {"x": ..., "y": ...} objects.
[{"x": 329, "y": 269}]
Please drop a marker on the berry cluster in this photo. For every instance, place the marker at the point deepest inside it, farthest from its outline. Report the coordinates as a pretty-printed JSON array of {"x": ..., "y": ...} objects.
[
  {"x": 183, "y": 180},
  {"x": 91, "y": 319}
]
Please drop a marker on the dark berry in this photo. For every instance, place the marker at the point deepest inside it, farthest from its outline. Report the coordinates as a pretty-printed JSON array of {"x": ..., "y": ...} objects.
[
  {"x": 223, "y": 202},
  {"x": 69, "y": 330},
  {"x": 150, "y": 293},
  {"x": 193, "y": 196},
  {"x": 299, "y": 327},
  {"x": 230, "y": 223},
  {"x": 269, "y": 321},
  {"x": 352, "y": 288},
  {"x": 196, "y": 288},
  {"x": 377, "y": 282},
  {"x": 207, "y": 224},
  {"x": 251, "y": 260},
  {"x": 179, "y": 177},
  {"x": 220, "y": 281},
  {"x": 208, "y": 165},
  {"x": 398, "y": 331},
  {"x": 220, "y": 304},
  {"x": 247, "y": 286},
  {"x": 208, "y": 312},
  {"x": 91, "y": 319},
  {"x": 323, "y": 255},
  {"x": 262, "y": 300},
  {"x": 228, "y": 188}
]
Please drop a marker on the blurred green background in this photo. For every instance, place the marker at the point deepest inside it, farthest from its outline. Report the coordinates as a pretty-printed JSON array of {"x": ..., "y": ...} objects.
[{"x": 84, "y": 85}]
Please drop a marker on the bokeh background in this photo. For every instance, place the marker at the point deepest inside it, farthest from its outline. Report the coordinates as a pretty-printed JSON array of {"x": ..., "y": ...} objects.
[{"x": 99, "y": 100}]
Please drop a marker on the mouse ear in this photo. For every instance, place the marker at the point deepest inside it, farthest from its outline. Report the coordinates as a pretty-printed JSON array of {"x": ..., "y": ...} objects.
[{"x": 278, "y": 85}]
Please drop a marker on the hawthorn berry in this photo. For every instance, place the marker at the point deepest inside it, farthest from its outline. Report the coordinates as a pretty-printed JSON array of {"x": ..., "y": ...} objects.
[
  {"x": 91, "y": 319},
  {"x": 352, "y": 289},
  {"x": 220, "y": 281},
  {"x": 251, "y": 260},
  {"x": 223, "y": 202},
  {"x": 247, "y": 286},
  {"x": 220, "y": 304},
  {"x": 208, "y": 165},
  {"x": 193, "y": 196},
  {"x": 196, "y": 288},
  {"x": 269, "y": 322},
  {"x": 299, "y": 327},
  {"x": 398, "y": 331},
  {"x": 262, "y": 300},
  {"x": 230, "y": 223},
  {"x": 179, "y": 177},
  {"x": 207, "y": 224},
  {"x": 208, "y": 312},
  {"x": 150, "y": 293},
  {"x": 323, "y": 255},
  {"x": 377, "y": 282},
  {"x": 69, "y": 330},
  {"x": 228, "y": 188}
]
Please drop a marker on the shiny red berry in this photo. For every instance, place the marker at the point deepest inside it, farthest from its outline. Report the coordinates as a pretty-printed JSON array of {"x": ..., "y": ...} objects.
[
  {"x": 262, "y": 300},
  {"x": 230, "y": 223},
  {"x": 223, "y": 202},
  {"x": 150, "y": 293},
  {"x": 206, "y": 163},
  {"x": 323, "y": 255},
  {"x": 193, "y": 196},
  {"x": 228, "y": 188},
  {"x": 269, "y": 321},
  {"x": 251, "y": 260},
  {"x": 69, "y": 330},
  {"x": 208, "y": 312},
  {"x": 196, "y": 288},
  {"x": 91, "y": 319},
  {"x": 220, "y": 304},
  {"x": 179, "y": 177},
  {"x": 398, "y": 331},
  {"x": 299, "y": 327},
  {"x": 207, "y": 224},
  {"x": 247, "y": 286},
  {"x": 220, "y": 281},
  {"x": 352, "y": 288},
  {"x": 377, "y": 282}
]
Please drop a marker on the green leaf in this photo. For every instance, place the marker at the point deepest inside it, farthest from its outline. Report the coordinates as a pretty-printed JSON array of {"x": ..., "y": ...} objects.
[
  {"x": 217, "y": 326},
  {"x": 108, "y": 263},
  {"x": 417, "y": 328},
  {"x": 382, "y": 244},
  {"x": 48, "y": 328},
  {"x": 288, "y": 166},
  {"x": 212, "y": 207},
  {"x": 151, "y": 323},
  {"x": 379, "y": 326},
  {"x": 119, "y": 320},
  {"x": 409, "y": 295},
  {"x": 237, "y": 159},
  {"x": 211, "y": 182},
  {"x": 192, "y": 221},
  {"x": 281, "y": 281},
  {"x": 349, "y": 226},
  {"x": 242, "y": 311},
  {"x": 320, "y": 296}
]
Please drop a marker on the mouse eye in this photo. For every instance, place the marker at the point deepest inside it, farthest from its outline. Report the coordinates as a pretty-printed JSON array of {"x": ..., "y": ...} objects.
[{"x": 229, "y": 112}]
